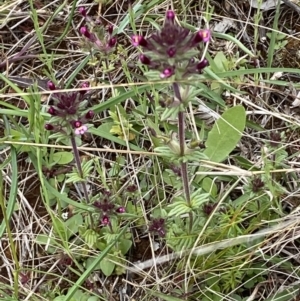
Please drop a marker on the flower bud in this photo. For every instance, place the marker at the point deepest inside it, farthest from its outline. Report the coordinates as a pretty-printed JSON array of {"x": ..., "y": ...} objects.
[
  {"x": 110, "y": 29},
  {"x": 85, "y": 32},
  {"x": 171, "y": 52},
  {"x": 201, "y": 65},
  {"x": 121, "y": 210},
  {"x": 131, "y": 188},
  {"x": 52, "y": 111},
  {"x": 105, "y": 220},
  {"x": 82, "y": 11},
  {"x": 49, "y": 127},
  {"x": 168, "y": 72},
  {"x": 51, "y": 85},
  {"x": 112, "y": 42},
  {"x": 139, "y": 41},
  {"x": 84, "y": 86},
  {"x": 203, "y": 35},
  {"x": 145, "y": 60},
  {"x": 90, "y": 114},
  {"x": 170, "y": 15},
  {"x": 77, "y": 124}
]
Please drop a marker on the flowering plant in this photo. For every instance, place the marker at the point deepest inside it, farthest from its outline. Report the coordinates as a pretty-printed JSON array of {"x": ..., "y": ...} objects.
[
  {"x": 68, "y": 111},
  {"x": 171, "y": 51}
]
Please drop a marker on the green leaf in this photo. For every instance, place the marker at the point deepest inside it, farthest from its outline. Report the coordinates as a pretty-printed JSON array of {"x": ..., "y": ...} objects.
[
  {"x": 209, "y": 186},
  {"x": 62, "y": 157},
  {"x": 107, "y": 267},
  {"x": 225, "y": 134},
  {"x": 93, "y": 298},
  {"x": 89, "y": 270},
  {"x": 10, "y": 205},
  {"x": 59, "y": 298},
  {"x": 104, "y": 132},
  {"x": 43, "y": 239},
  {"x": 199, "y": 199},
  {"x": 138, "y": 10},
  {"x": 73, "y": 223},
  {"x": 220, "y": 61},
  {"x": 122, "y": 97},
  {"x": 179, "y": 208},
  {"x": 125, "y": 245}
]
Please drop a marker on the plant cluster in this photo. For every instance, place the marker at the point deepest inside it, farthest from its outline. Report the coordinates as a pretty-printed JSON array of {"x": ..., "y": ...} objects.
[{"x": 96, "y": 207}]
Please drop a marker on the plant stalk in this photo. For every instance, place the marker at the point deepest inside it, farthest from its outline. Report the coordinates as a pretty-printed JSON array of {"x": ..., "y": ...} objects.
[
  {"x": 78, "y": 163},
  {"x": 183, "y": 165}
]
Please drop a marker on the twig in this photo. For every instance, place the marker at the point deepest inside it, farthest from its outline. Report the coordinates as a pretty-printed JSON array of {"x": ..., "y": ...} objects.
[{"x": 292, "y": 5}]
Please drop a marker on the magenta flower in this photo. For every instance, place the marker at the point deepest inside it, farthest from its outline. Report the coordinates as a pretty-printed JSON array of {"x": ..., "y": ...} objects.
[
  {"x": 203, "y": 35},
  {"x": 170, "y": 15},
  {"x": 172, "y": 48},
  {"x": 121, "y": 210},
  {"x": 144, "y": 59},
  {"x": 139, "y": 41},
  {"x": 158, "y": 226},
  {"x": 49, "y": 127},
  {"x": 97, "y": 37},
  {"x": 82, "y": 11},
  {"x": 81, "y": 130},
  {"x": 168, "y": 72},
  {"x": 201, "y": 65},
  {"x": 90, "y": 114},
  {"x": 105, "y": 220}
]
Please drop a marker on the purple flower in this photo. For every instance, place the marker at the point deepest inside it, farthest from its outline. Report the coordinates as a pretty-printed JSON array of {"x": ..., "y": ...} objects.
[
  {"x": 121, "y": 210},
  {"x": 52, "y": 111},
  {"x": 82, "y": 11},
  {"x": 172, "y": 42},
  {"x": 104, "y": 206},
  {"x": 49, "y": 127},
  {"x": 170, "y": 15},
  {"x": 168, "y": 72},
  {"x": 81, "y": 130},
  {"x": 112, "y": 42},
  {"x": 110, "y": 29},
  {"x": 158, "y": 226},
  {"x": 51, "y": 86},
  {"x": 99, "y": 39},
  {"x": 203, "y": 35},
  {"x": 85, "y": 32},
  {"x": 139, "y": 41},
  {"x": 105, "y": 220},
  {"x": 145, "y": 60},
  {"x": 201, "y": 65},
  {"x": 90, "y": 114}
]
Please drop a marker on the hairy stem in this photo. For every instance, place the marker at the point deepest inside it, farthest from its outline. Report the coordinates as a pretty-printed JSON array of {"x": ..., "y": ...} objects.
[
  {"x": 78, "y": 164},
  {"x": 181, "y": 136}
]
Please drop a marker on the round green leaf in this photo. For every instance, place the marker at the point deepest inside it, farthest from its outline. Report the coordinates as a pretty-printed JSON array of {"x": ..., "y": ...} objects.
[
  {"x": 107, "y": 267},
  {"x": 225, "y": 134},
  {"x": 63, "y": 157}
]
